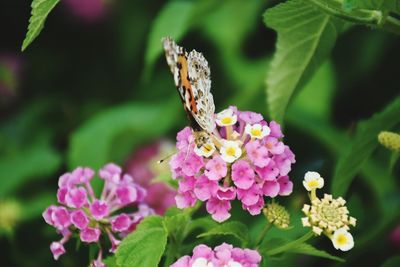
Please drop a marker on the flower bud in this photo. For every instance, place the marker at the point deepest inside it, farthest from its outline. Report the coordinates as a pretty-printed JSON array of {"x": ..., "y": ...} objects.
[
  {"x": 277, "y": 215},
  {"x": 390, "y": 140},
  {"x": 10, "y": 211}
]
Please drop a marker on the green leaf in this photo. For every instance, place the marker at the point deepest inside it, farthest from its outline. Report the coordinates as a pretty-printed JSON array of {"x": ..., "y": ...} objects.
[
  {"x": 110, "y": 261},
  {"x": 176, "y": 225},
  {"x": 367, "y": 4},
  {"x": 40, "y": 11},
  {"x": 364, "y": 143},
  {"x": 391, "y": 6},
  {"x": 316, "y": 96},
  {"x": 392, "y": 262},
  {"x": 307, "y": 249},
  {"x": 349, "y": 5},
  {"x": 306, "y": 37},
  {"x": 94, "y": 143},
  {"x": 236, "y": 229},
  {"x": 36, "y": 161},
  {"x": 171, "y": 21},
  {"x": 145, "y": 246},
  {"x": 204, "y": 223},
  {"x": 172, "y": 211}
]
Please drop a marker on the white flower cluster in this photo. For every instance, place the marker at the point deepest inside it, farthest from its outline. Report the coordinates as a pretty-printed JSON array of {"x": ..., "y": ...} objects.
[{"x": 327, "y": 215}]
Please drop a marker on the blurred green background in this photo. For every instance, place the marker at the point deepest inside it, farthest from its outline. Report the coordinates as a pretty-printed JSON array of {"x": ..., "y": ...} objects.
[{"x": 95, "y": 86}]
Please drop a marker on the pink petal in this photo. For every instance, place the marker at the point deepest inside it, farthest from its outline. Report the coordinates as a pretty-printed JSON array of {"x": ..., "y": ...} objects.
[{"x": 271, "y": 188}]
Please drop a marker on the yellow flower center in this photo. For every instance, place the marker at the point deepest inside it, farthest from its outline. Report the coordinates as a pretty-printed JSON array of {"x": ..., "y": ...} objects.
[
  {"x": 256, "y": 132},
  {"x": 207, "y": 148},
  {"x": 313, "y": 183},
  {"x": 226, "y": 120},
  {"x": 341, "y": 239},
  {"x": 230, "y": 151}
]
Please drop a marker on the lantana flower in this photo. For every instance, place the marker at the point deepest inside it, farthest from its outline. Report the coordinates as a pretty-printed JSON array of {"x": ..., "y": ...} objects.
[
  {"x": 82, "y": 212},
  {"x": 222, "y": 255},
  {"x": 327, "y": 215},
  {"x": 246, "y": 160}
]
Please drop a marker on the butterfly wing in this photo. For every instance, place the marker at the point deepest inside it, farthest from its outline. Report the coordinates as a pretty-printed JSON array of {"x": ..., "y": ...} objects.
[
  {"x": 199, "y": 75},
  {"x": 192, "y": 79},
  {"x": 172, "y": 54}
]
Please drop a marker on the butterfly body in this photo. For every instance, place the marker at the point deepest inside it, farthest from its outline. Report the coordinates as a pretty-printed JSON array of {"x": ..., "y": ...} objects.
[{"x": 192, "y": 79}]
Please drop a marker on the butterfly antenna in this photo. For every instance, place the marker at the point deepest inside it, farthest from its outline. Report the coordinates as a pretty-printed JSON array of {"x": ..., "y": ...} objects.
[{"x": 165, "y": 158}]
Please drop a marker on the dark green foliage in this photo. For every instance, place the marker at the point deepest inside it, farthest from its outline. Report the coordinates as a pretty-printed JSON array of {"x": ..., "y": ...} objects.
[{"x": 93, "y": 91}]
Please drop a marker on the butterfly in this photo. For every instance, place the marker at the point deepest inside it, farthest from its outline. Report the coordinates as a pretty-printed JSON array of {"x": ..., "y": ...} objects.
[{"x": 192, "y": 79}]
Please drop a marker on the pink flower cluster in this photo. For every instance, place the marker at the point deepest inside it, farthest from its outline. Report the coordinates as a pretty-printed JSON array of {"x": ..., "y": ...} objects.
[
  {"x": 223, "y": 255},
  {"x": 247, "y": 161},
  {"x": 80, "y": 211}
]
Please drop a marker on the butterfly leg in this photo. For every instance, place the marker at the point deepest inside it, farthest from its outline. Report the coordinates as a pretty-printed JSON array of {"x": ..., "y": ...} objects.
[{"x": 188, "y": 149}]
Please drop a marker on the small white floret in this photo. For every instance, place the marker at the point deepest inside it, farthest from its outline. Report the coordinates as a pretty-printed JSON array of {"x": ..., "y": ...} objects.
[
  {"x": 305, "y": 222},
  {"x": 226, "y": 118},
  {"x": 202, "y": 262},
  {"x": 257, "y": 130},
  {"x": 342, "y": 240},
  {"x": 205, "y": 150},
  {"x": 313, "y": 180},
  {"x": 230, "y": 151}
]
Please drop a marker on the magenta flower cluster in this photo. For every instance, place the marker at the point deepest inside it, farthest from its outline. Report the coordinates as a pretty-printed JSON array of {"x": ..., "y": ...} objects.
[
  {"x": 223, "y": 255},
  {"x": 80, "y": 211},
  {"x": 246, "y": 161}
]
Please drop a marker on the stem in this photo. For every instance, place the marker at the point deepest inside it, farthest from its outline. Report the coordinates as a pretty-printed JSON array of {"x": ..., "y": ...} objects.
[
  {"x": 361, "y": 16},
  {"x": 313, "y": 194},
  {"x": 375, "y": 18},
  {"x": 216, "y": 142},
  {"x": 263, "y": 233},
  {"x": 229, "y": 130},
  {"x": 290, "y": 245},
  {"x": 90, "y": 190}
]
